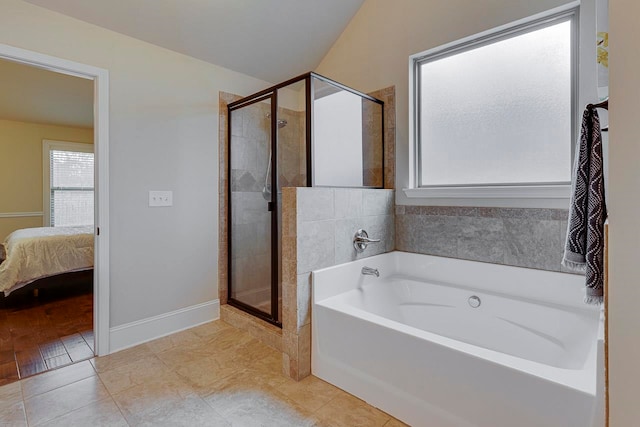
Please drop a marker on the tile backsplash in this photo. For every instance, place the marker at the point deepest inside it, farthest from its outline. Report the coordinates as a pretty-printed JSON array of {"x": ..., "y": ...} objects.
[
  {"x": 532, "y": 238},
  {"x": 328, "y": 218},
  {"x": 319, "y": 225}
]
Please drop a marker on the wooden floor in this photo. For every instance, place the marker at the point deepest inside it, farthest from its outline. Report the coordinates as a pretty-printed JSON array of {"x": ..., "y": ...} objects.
[{"x": 41, "y": 333}]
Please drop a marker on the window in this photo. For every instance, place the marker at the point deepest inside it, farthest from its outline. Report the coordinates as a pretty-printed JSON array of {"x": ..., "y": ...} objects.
[
  {"x": 494, "y": 115},
  {"x": 68, "y": 183}
]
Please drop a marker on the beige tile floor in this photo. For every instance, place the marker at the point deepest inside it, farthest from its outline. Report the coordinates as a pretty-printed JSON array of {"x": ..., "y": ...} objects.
[{"x": 211, "y": 375}]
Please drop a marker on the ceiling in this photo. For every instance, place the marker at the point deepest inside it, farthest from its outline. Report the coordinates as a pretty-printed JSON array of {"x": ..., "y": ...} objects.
[
  {"x": 272, "y": 40},
  {"x": 31, "y": 94}
]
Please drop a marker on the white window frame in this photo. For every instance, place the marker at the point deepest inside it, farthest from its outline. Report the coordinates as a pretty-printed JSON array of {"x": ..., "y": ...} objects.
[
  {"x": 553, "y": 195},
  {"x": 49, "y": 145}
]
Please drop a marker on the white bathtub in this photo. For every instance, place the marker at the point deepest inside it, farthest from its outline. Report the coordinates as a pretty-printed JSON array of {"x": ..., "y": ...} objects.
[{"x": 410, "y": 343}]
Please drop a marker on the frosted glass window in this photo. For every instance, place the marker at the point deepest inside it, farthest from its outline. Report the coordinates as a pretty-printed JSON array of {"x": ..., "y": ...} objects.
[
  {"x": 498, "y": 113},
  {"x": 71, "y": 188}
]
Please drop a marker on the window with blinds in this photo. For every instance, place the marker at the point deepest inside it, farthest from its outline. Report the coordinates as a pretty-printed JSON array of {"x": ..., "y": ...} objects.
[{"x": 71, "y": 187}]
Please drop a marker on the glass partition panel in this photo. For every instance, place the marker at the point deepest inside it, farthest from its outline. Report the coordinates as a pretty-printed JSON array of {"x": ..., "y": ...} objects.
[{"x": 347, "y": 142}]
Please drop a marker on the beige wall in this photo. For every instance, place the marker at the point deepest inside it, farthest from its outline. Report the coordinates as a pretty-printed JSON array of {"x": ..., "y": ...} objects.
[
  {"x": 21, "y": 168},
  {"x": 624, "y": 206},
  {"x": 163, "y": 136}
]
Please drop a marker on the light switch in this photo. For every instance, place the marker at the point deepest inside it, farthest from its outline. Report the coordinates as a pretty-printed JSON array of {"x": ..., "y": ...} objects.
[{"x": 160, "y": 198}]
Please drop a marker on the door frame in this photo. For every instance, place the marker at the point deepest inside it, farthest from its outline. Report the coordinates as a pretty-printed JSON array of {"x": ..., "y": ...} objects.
[{"x": 100, "y": 77}]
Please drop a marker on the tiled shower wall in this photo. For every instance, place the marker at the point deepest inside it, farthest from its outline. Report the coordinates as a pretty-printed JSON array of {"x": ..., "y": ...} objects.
[
  {"x": 388, "y": 96},
  {"x": 318, "y": 229},
  {"x": 532, "y": 238},
  {"x": 372, "y": 150}
]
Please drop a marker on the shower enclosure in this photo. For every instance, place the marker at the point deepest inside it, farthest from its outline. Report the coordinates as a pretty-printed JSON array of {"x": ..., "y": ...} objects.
[{"x": 307, "y": 131}]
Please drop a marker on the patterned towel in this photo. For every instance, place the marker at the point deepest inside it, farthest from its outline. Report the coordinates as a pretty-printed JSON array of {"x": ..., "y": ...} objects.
[{"x": 584, "y": 248}]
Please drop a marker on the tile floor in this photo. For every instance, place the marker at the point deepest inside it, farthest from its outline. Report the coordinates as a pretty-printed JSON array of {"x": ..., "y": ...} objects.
[
  {"x": 53, "y": 330},
  {"x": 211, "y": 375}
]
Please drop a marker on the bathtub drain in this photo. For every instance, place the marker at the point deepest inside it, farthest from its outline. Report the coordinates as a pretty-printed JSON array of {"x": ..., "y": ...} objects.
[{"x": 474, "y": 301}]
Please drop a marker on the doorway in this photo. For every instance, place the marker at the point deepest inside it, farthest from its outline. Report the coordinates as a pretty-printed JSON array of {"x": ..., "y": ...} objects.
[{"x": 98, "y": 341}]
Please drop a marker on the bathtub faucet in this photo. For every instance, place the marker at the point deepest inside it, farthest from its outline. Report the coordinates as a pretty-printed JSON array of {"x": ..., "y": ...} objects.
[
  {"x": 361, "y": 240},
  {"x": 368, "y": 271}
]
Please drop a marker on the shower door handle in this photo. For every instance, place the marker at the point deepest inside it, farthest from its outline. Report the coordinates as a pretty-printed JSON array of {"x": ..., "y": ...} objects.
[{"x": 270, "y": 206}]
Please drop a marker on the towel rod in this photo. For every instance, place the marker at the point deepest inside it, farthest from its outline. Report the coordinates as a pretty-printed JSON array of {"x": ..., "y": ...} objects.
[{"x": 604, "y": 104}]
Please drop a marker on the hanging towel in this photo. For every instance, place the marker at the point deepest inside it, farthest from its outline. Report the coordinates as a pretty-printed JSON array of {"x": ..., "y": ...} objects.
[{"x": 584, "y": 248}]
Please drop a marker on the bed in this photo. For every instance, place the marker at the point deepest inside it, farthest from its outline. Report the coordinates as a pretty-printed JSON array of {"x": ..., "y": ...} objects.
[{"x": 36, "y": 253}]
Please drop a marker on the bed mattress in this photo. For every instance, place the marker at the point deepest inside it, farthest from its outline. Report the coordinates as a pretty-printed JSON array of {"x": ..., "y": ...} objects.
[{"x": 35, "y": 253}]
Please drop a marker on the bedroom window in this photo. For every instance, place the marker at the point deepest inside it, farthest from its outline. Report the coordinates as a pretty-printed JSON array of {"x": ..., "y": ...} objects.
[
  {"x": 69, "y": 183},
  {"x": 493, "y": 115}
]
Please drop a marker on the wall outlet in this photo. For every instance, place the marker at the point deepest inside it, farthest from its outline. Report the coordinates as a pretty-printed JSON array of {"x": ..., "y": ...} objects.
[{"x": 160, "y": 198}]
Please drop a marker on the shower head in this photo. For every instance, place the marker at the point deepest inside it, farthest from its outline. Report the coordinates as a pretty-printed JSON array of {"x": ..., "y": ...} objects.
[{"x": 281, "y": 123}]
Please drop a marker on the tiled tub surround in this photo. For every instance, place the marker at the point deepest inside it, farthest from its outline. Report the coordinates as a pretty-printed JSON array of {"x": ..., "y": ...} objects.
[
  {"x": 532, "y": 238},
  {"x": 318, "y": 229},
  {"x": 328, "y": 218}
]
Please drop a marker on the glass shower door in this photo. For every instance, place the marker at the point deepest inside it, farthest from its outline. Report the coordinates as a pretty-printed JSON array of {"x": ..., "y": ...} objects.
[{"x": 252, "y": 219}]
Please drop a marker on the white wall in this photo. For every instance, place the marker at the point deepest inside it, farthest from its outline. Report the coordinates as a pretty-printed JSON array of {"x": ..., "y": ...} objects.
[
  {"x": 164, "y": 127},
  {"x": 624, "y": 205},
  {"x": 373, "y": 51}
]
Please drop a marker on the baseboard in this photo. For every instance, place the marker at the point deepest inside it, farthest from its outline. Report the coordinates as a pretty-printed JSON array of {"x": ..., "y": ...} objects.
[{"x": 141, "y": 331}]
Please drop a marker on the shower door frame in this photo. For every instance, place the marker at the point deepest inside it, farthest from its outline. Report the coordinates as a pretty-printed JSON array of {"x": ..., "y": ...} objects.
[
  {"x": 271, "y": 93},
  {"x": 272, "y": 206}
]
